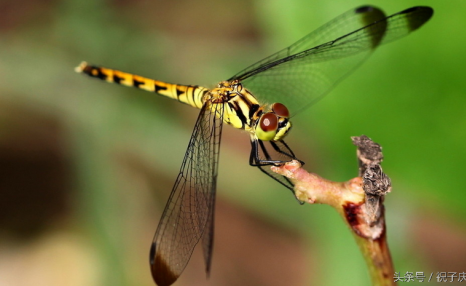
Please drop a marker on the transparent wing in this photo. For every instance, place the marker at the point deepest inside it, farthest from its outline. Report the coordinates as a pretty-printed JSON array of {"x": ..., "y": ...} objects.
[
  {"x": 341, "y": 25},
  {"x": 303, "y": 73},
  {"x": 188, "y": 215}
]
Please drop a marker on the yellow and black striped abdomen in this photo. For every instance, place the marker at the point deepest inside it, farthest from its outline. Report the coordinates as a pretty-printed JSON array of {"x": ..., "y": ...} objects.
[
  {"x": 240, "y": 107},
  {"x": 189, "y": 94}
]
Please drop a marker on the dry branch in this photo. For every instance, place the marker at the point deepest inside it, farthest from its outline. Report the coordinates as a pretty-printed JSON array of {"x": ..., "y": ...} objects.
[{"x": 359, "y": 201}]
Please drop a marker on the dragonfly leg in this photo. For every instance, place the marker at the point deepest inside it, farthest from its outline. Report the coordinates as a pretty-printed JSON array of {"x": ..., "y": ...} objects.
[
  {"x": 280, "y": 148},
  {"x": 258, "y": 146},
  {"x": 255, "y": 159},
  {"x": 284, "y": 150}
]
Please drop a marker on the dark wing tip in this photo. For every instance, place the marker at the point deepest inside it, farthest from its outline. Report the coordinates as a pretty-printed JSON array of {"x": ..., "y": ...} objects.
[
  {"x": 161, "y": 272},
  {"x": 419, "y": 8},
  {"x": 369, "y": 14},
  {"x": 364, "y": 9},
  {"x": 152, "y": 253},
  {"x": 418, "y": 16}
]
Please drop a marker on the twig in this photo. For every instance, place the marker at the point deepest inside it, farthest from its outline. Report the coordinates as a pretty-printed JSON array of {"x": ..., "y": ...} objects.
[{"x": 359, "y": 201}]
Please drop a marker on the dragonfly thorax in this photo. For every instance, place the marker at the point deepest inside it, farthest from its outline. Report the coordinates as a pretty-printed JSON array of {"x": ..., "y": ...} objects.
[
  {"x": 225, "y": 91},
  {"x": 242, "y": 110}
]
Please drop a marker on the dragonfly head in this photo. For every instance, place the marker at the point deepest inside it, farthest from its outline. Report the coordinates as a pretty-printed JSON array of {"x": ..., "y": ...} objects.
[{"x": 273, "y": 125}]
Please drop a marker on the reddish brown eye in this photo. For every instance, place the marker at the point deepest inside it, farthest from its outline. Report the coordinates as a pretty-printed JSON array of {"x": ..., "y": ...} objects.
[
  {"x": 280, "y": 110},
  {"x": 268, "y": 122}
]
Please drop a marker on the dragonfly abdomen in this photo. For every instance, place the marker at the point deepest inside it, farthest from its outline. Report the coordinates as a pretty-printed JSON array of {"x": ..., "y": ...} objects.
[{"x": 189, "y": 94}]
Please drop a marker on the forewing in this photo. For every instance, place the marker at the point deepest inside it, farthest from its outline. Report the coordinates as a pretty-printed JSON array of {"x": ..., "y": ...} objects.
[
  {"x": 341, "y": 25},
  {"x": 303, "y": 73},
  {"x": 189, "y": 212}
]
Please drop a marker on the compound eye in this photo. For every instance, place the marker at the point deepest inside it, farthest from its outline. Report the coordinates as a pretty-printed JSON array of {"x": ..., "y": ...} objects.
[
  {"x": 280, "y": 110},
  {"x": 268, "y": 122},
  {"x": 267, "y": 127}
]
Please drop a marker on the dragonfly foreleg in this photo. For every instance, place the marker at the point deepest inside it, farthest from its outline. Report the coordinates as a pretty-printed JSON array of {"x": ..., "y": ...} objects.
[
  {"x": 258, "y": 146},
  {"x": 261, "y": 156}
]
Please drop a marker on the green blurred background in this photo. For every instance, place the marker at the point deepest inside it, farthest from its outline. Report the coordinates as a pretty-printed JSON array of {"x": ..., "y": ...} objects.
[{"x": 86, "y": 167}]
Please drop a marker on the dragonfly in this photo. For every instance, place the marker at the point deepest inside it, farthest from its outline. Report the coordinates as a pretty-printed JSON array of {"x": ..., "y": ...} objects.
[{"x": 260, "y": 100}]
